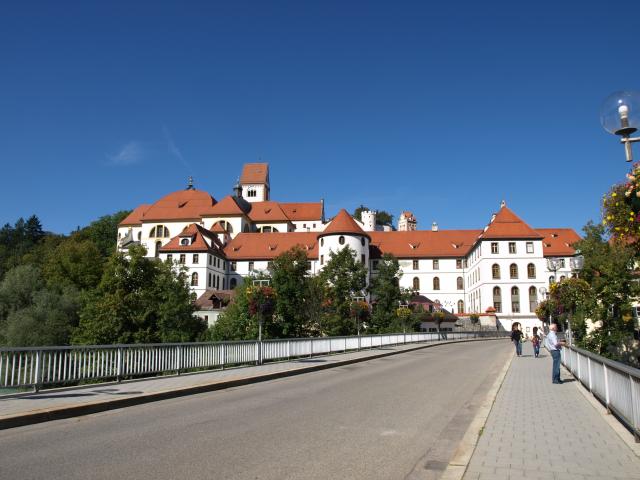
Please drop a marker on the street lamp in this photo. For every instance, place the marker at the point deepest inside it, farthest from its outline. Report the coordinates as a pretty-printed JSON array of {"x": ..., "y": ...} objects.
[
  {"x": 620, "y": 115},
  {"x": 545, "y": 293},
  {"x": 354, "y": 299},
  {"x": 554, "y": 264},
  {"x": 403, "y": 313},
  {"x": 577, "y": 264},
  {"x": 260, "y": 283}
]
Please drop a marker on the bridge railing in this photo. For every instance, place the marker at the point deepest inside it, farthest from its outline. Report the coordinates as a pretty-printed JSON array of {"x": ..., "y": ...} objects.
[
  {"x": 40, "y": 367},
  {"x": 615, "y": 384}
]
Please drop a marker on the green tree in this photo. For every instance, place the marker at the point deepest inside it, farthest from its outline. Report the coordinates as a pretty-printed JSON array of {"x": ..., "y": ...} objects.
[
  {"x": 343, "y": 277},
  {"x": 386, "y": 293},
  {"x": 289, "y": 280},
  {"x": 103, "y": 232},
  {"x": 382, "y": 217},
  {"x": 74, "y": 262},
  {"x": 139, "y": 300}
]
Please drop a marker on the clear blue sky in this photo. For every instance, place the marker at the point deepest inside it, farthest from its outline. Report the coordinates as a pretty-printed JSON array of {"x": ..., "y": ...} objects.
[{"x": 441, "y": 108}]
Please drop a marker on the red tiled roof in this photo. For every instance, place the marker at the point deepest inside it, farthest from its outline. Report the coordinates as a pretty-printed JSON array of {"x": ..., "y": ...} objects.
[
  {"x": 423, "y": 243},
  {"x": 343, "y": 223},
  {"x": 255, "y": 173},
  {"x": 198, "y": 242},
  {"x": 135, "y": 217},
  {"x": 507, "y": 224},
  {"x": 180, "y": 205},
  {"x": 558, "y": 241},
  {"x": 266, "y": 246},
  {"x": 211, "y": 299},
  {"x": 302, "y": 211},
  {"x": 217, "y": 228},
  {"x": 226, "y": 206},
  {"x": 268, "y": 211}
]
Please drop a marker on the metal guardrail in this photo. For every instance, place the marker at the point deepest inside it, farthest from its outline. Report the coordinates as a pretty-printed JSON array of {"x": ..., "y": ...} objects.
[
  {"x": 615, "y": 384},
  {"x": 38, "y": 367}
]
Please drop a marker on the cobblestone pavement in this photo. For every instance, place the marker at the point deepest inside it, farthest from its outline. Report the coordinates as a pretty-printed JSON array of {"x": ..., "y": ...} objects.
[{"x": 543, "y": 431}]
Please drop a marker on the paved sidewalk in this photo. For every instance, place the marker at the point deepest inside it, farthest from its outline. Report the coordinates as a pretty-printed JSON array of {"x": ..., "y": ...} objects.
[
  {"x": 69, "y": 402},
  {"x": 518, "y": 441}
]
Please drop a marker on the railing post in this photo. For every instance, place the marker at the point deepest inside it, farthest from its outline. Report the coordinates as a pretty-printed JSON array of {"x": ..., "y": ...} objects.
[
  {"x": 311, "y": 348},
  {"x": 288, "y": 349},
  {"x": 179, "y": 359},
  {"x": 119, "y": 364},
  {"x": 37, "y": 381},
  {"x": 606, "y": 387},
  {"x": 590, "y": 376},
  {"x": 635, "y": 426},
  {"x": 224, "y": 355},
  {"x": 579, "y": 366}
]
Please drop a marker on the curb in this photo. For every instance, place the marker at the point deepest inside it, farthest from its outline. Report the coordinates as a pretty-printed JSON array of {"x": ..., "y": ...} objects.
[
  {"x": 91, "y": 408},
  {"x": 462, "y": 456}
]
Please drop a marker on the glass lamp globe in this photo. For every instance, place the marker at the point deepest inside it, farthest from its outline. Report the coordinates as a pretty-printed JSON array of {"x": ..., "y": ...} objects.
[{"x": 620, "y": 113}]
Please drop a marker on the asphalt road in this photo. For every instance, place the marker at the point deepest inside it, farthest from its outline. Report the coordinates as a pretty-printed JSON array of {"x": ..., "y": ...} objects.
[{"x": 391, "y": 418}]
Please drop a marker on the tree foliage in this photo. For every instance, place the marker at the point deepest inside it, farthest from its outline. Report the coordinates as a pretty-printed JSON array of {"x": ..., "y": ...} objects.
[
  {"x": 386, "y": 293},
  {"x": 382, "y": 217}
]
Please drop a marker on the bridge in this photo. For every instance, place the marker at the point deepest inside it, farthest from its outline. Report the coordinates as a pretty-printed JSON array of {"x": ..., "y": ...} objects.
[{"x": 419, "y": 409}]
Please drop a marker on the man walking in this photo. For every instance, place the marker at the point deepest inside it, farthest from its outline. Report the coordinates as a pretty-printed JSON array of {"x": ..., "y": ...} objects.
[{"x": 553, "y": 345}]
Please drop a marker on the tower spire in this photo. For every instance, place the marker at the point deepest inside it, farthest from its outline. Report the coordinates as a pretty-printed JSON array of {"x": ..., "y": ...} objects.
[{"x": 190, "y": 184}]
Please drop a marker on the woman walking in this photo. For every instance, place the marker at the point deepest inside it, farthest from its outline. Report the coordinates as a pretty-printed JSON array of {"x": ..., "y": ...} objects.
[{"x": 516, "y": 337}]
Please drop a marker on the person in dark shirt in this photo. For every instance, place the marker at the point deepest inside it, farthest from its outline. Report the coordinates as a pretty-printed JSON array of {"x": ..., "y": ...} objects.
[{"x": 516, "y": 337}]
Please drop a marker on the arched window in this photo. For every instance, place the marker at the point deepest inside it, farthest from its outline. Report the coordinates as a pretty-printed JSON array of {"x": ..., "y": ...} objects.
[
  {"x": 562, "y": 277},
  {"x": 436, "y": 283},
  {"x": 362, "y": 241},
  {"x": 139, "y": 235},
  {"x": 416, "y": 283},
  {"x": 513, "y": 270},
  {"x": 227, "y": 226},
  {"x": 515, "y": 300},
  {"x": 533, "y": 299},
  {"x": 194, "y": 279},
  {"x": 233, "y": 283},
  {"x": 341, "y": 240},
  {"x": 497, "y": 299},
  {"x": 531, "y": 270},
  {"x": 552, "y": 280},
  {"x": 460, "y": 306},
  {"x": 495, "y": 271},
  {"x": 158, "y": 245},
  {"x": 459, "y": 283}
]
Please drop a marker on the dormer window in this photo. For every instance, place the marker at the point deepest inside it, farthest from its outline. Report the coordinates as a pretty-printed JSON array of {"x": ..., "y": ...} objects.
[{"x": 185, "y": 241}]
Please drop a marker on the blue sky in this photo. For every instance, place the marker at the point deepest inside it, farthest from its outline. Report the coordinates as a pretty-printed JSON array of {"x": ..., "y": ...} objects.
[{"x": 440, "y": 108}]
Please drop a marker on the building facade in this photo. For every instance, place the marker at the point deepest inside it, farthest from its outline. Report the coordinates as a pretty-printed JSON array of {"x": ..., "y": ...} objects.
[{"x": 502, "y": 266}]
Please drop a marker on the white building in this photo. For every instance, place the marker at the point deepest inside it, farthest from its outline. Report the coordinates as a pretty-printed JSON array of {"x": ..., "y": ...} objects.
[{"x": 501, "y": 266}]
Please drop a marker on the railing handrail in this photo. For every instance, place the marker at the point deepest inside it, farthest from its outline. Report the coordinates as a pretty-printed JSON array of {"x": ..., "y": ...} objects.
[{"x": 629, "y": 370}]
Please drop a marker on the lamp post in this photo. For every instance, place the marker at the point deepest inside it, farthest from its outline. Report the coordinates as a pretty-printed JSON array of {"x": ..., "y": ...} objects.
[
  {"x": 620, "y": 115},
  {"x": 577, "y": 264},
  {"x": 354, "y": 299},
  {"x": 403, "y": 312},
  {"x": 545, "y": 293},
  {"x": 260, "y": 283},
  {"x": 554, "y": 264}
]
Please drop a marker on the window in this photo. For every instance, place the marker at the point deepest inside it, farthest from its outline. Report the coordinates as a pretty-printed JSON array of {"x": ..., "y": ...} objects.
[
  {"x": 169, "y": 258},
  {"x": 321, "y": 259},
  {"x": 374, "y": 264},
  {"x": 322, "y": 242},
  {"x": 436, "y": 283},
  {"x": 495, "y": 271},
  {"x": 308, "y": 266},
  {"x": 497, "y": 299},
  {"x": 196, "y": 257},
  {"x": 562, "y": 277},
  {"x": 533, "y": 299},
  {"x": 251, "y": 266},
  {"x": 233, "y": 283},
  {"x": 531, "y": 270},
  {"x": 552, "y": 280},
  {"x": 513, "y": 271},
  {"x": 139, "y": 236},
  {"x": 436, "y": 264},
  {"x": 562, "y": 263},
  {"x": 194, "y": 279},
  {"x": 363, "y": 259},
  {"x": 183, "y": 258},
  {"x": 209, "y": 281},
  {"x": 512, "y": 247},
  {"x": 494, "y": 247},
  {"x": 529, "y": 247},
  {"x": 416, "y": 283},
  {"x": 158, "y": 246},
  {"x": 234, "y": 265},
  {"x": 464, "y": 263},
  {"x": 209, "y": 259},
  {"x": 515, "y": 300},
  {"x": 416, "y": 264},
  {"x": 252, "y": 192},
  {"x": 460, "y": 306},
  {"x": 362, "y": 241},
  {"x": 459, "y": 283},
  {"x": 269, "y": 265},
  {"x": 185, "y": 241},
  {"x": 159, "y": 231},
  {"x": 459, "y": 263},
  {"x": 341, "y": 240}
]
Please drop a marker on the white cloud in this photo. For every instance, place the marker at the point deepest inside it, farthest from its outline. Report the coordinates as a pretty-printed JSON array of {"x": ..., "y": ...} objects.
[{"x": 131, "y": 153}]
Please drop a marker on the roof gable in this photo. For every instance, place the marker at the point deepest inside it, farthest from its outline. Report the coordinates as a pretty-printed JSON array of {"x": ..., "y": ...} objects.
[
  {"x": 255, "y": 173},
  {"x": 268, "y": 211},
  {"x": 558, "y": 242},
  {"x": 343, "y": 223},
  {"x": 266, "y": 246},
  {"x": 226, "y": 206},
  {"x": 507, "y": 224}
]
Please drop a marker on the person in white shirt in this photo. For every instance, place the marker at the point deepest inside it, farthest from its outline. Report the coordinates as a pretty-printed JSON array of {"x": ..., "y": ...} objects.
[{"x": 553, "y": 345}]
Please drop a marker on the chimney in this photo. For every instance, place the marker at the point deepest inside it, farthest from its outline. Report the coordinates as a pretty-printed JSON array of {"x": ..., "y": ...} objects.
[{"x": 434, "y": 227}]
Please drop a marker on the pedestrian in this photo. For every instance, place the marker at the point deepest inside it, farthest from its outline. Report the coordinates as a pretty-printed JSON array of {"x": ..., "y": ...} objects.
[
  {"x": 535, "y": 342},
  {"x": 553, "y": 345},
  {"x": 516, "y": 337}
]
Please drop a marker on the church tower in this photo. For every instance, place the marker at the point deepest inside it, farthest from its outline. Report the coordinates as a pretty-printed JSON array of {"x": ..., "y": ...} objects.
[{"x": 254, "y": 182}]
